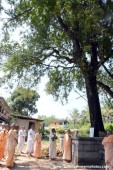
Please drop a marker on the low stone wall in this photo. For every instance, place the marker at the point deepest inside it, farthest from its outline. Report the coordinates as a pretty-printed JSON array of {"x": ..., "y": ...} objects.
[{"x": 87, "y": 151}]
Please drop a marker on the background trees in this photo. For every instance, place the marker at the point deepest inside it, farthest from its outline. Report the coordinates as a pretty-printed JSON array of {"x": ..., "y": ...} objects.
[
  {"x": 47, "y": 119},
  {"x": 23, "y": 101},
  {"x": 69, "y": 41}
]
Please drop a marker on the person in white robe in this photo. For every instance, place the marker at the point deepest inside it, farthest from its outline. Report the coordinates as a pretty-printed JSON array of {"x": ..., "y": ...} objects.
[
  {"x": 30, "y": 141},
  {"x": 52, "y": 144},
  {"x": 21, "y": 139}
]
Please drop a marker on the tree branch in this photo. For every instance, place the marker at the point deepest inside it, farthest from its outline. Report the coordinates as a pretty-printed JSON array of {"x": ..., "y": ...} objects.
[
  {"x": 65, "y": 27},
  {"x": 106, "y": 88},
  {"x": 58, "y": 55},
  {"x": 105, "y": 59},
  {"x": 108, "y": 72},
  {"x": 15, "y": 17}
]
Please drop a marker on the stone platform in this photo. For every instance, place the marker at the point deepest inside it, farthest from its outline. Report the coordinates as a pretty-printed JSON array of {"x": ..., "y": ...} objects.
[{"x": 88, "y": 151}]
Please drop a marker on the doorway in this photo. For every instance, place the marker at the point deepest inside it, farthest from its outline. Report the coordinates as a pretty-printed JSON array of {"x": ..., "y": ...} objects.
[{"x": 31, "y": 124}]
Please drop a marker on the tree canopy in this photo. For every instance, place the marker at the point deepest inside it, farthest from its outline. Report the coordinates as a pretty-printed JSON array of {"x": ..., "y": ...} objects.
[
  {"x": 23, "y": 101},
  {"x": 52, "y": 29},
  {"x": 68, "y": 40}
]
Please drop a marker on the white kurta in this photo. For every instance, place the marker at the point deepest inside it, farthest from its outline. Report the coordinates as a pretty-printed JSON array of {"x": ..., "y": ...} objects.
[
  {"x": 30, "y": 141},
  {"x": 21, "y": 139},
  {"x": 52, "y": 146}
]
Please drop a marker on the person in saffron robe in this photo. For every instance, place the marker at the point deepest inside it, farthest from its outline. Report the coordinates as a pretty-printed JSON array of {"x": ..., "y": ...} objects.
[
  {"x": 3, "y": 136},
  {"x": 30, "y": 141},
  {"x": 7, "y": 128},
  {"x": 10, "y": 148},
  {"x": 37, "y": 145},
  {"x": 21, "y": 139},
  {"x": 52, "y": 144},
  {"x": 108, "y": 146},
  {"x": 67, "y": 146}
]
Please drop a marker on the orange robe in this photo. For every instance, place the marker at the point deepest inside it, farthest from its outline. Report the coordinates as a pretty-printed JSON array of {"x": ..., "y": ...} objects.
[
  {"x": 10, "y": 148},
  {"x": 37, "y": 145},
  {"x": 67, "y": 147},
  {"x": 3, "y": 136},
  {"x": 108, "y": 146}
]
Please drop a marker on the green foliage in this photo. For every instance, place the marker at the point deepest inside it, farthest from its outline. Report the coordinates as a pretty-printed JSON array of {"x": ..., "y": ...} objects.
[
  {"x": 74, "y": 119},
  {"x": 23, "y": 101},
  {"x": 47, "y": 131},
  {"x": 60, "y": 83},
  {"x": 75, "y": 115},
  {"x": 60, "y": 131},
  {"x": 77, "y": 119},
  {"x": 82, "y": 122},
  {"x": 108, "y": 126},
  {"x": 105, "y": 82},
  {"x": 47, "y": 119},
  {"x": 62, "y": 39},
  {"x": 107, "y": 114},
  {"x": 49, "y": 41},
  {"x": 84, "y": 130},
  {"x": 84, "y": 117}
]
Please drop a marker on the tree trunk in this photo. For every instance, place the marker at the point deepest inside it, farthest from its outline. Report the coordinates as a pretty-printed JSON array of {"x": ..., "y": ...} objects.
[{"x": 94, "y": 104}]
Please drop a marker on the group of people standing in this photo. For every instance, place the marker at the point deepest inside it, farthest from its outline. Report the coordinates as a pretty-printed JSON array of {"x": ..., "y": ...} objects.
[
  {"x": 8, "y": 142},
  {"x": 66, "y": 148},
  {"x": 12, "y": 139}
]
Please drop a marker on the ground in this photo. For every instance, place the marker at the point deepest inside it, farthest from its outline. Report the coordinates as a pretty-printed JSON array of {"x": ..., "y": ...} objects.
[{"x": 24, "y": 162}]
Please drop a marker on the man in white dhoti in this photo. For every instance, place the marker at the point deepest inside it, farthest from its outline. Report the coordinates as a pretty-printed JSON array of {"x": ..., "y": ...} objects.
[
  {"x": 21, "y": 139},
  {"x": 30, "y": 141},
  {"x": 52, "y": 145}
]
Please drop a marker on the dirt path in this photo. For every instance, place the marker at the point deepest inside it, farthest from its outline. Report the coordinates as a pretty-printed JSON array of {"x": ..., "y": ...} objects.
[{"x": 24, "y": 162}]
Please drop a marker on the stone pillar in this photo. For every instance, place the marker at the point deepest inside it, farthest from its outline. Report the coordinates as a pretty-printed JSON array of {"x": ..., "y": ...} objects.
[{"x": 87, "y": 151}]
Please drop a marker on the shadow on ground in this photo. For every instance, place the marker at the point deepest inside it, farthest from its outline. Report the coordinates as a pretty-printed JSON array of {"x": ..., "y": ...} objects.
[{"x": 23, "y": 162}]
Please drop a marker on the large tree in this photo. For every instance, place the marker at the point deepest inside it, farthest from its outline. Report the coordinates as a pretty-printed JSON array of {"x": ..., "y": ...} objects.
[
  {"x": 23, "y": 101},
  {"x": 67, "y": 40}
]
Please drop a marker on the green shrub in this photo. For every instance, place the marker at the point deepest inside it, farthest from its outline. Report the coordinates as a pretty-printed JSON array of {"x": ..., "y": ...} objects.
[
  {"x": 45, "y": 131},
  {"x": 102, "y": 134},
  {"x": 84, "y": 130},
  {"x": 108, "y": 126},
  {"x": 60, "y": 130}
]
